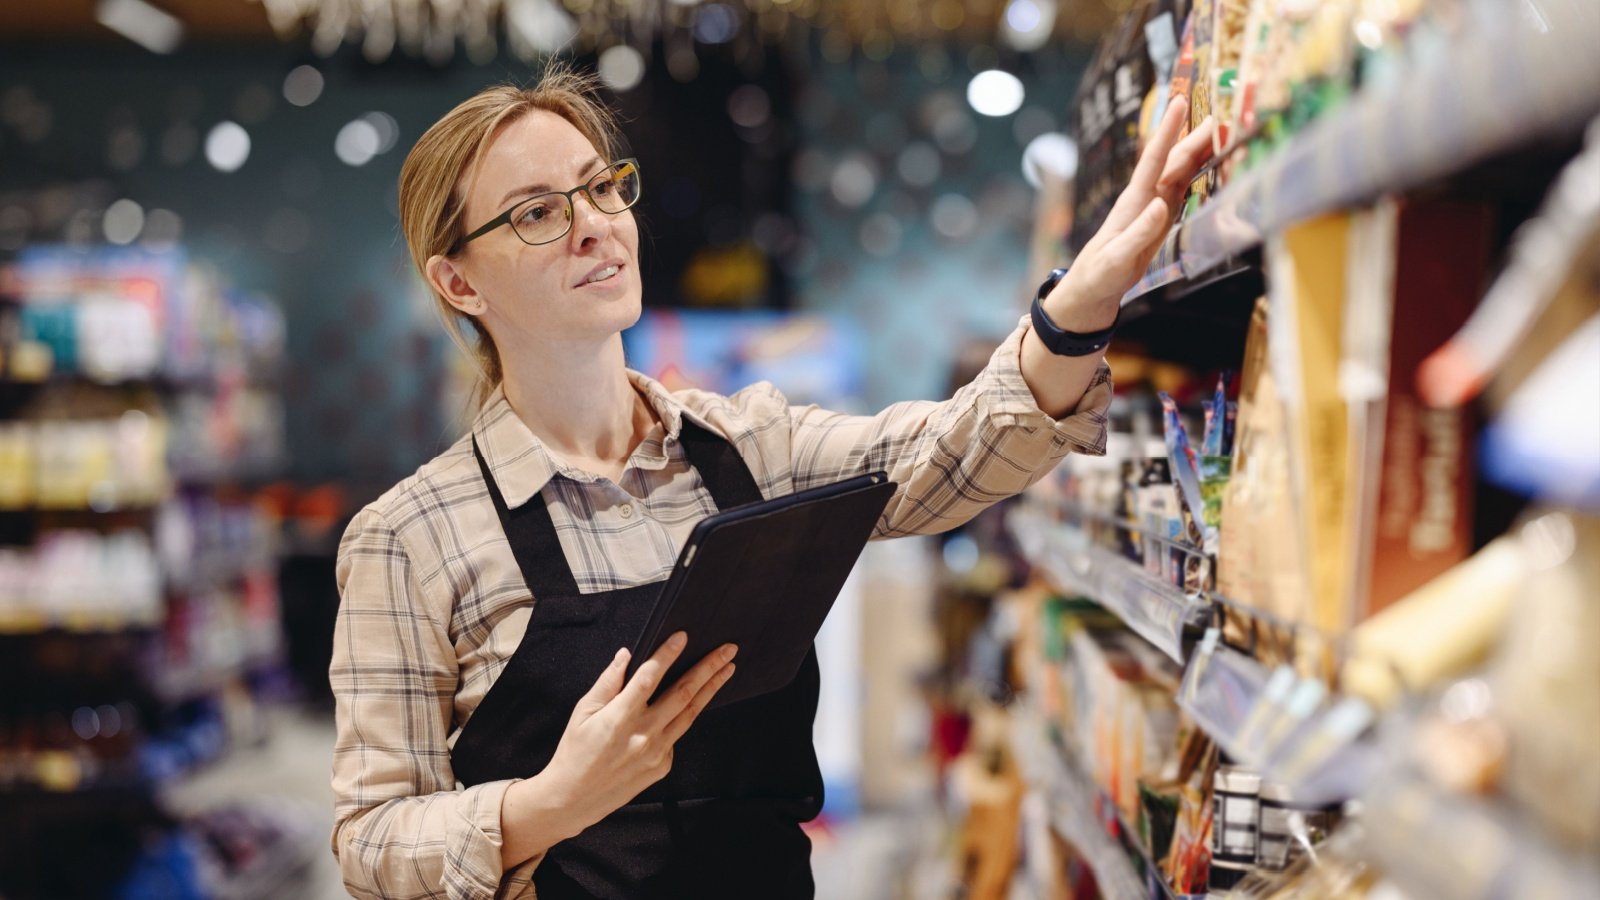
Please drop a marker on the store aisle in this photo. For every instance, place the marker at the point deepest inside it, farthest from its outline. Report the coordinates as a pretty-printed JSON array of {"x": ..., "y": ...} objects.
[{"x": 289, "y": 772}]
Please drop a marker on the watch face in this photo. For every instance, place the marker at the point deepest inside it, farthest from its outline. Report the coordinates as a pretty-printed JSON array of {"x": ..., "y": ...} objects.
[{"x": 1051, "y": 282}]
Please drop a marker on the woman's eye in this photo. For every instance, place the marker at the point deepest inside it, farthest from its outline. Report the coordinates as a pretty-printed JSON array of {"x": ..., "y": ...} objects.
[{"x": 603, "y": 186}]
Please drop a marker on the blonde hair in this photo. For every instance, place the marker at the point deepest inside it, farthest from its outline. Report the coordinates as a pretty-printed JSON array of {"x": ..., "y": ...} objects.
[{"x": 433, "y": 180}]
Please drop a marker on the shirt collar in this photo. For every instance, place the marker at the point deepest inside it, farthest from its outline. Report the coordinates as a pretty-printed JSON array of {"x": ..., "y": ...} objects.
[{"x": 521, "y": 465}]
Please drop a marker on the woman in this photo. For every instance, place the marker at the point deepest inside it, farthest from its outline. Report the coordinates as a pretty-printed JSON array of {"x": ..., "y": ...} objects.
[{"x": 488, "y": 742}]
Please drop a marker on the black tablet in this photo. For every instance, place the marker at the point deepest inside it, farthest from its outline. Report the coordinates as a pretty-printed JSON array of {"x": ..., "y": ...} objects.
[{"x": 763, "y": 576}]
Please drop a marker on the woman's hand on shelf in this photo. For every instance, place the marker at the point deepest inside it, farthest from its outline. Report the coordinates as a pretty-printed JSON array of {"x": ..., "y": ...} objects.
[
  {"x": 616, "y": 744},
  {"x": 1114, "y": 260},
  {"x": 1087, "y": 298}
]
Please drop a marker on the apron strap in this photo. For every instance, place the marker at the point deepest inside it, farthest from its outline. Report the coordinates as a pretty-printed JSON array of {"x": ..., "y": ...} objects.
[
  {"x": 533, "y": 539},
  {"x": 532, "y": 534},
  {"x": 722, "y": 470}
]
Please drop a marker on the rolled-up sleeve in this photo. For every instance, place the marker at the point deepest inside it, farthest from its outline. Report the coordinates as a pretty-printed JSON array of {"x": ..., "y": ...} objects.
[
  {"x": 952, "y": 459},
  {"x": 402, "y": 829}
]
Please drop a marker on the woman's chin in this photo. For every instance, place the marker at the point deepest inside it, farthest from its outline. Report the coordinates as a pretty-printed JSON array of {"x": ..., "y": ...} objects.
[{"x": 621, "y": 313}]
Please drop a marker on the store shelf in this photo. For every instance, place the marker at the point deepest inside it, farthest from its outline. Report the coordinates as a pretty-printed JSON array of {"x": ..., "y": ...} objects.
[
  {"x": 35, "y": 624},
  {"x": 82, "y": 515},
  {"x": 1166, "y": 268},
  {"x": 1158, "y": 612},
  {"x": 127, "y": 778},
  {"x": 179, "y": 685},
  {"x": 1071, "y": 797},
  {"x": 1493, "y": 93},
  {"x": 1288, "y": 727},
  {"x": 1155, "y": 883},
  {"x": 1446, "y": 846}
]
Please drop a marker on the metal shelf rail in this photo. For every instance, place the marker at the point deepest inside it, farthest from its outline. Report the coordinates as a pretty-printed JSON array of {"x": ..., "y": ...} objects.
[
  {"x": 1284, "y": 725},
  {"x": 1436, "y": 844},
  {"x": 1159, "y": 612}
]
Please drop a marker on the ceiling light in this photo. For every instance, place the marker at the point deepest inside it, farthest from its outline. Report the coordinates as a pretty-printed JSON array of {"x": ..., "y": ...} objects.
[
  {"x": 151, "y": 28},
  {"x": 995, "y": 93}
]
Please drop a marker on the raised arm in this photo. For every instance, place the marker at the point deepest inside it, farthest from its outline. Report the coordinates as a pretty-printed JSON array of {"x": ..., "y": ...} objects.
[{"x": 1029, "y": 407}]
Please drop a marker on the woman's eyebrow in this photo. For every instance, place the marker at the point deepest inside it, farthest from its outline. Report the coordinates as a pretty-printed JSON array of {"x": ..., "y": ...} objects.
[{"x": 541, "y": 187}]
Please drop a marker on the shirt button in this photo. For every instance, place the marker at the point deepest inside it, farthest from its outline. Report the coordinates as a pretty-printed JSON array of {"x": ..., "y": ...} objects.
[{"x": 627, "y": 510}]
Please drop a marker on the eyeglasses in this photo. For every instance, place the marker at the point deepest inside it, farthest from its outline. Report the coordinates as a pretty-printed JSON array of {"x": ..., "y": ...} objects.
[{"x": 548, "y": 217}]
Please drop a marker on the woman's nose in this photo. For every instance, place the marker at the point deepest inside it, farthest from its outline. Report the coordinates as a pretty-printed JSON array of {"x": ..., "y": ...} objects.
[{"x": 588, "y": 222}]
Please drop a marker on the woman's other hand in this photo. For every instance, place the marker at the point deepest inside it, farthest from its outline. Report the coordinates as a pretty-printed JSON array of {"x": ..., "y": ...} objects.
[{"x": 616, "y": 744}]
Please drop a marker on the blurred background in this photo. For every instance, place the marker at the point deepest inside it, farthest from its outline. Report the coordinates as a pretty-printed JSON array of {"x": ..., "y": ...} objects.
[{"x": 1320, "y": 623}]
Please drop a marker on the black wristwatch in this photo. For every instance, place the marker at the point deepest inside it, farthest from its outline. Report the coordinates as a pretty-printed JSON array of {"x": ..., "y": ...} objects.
[{"x": 1060, "y": 341}]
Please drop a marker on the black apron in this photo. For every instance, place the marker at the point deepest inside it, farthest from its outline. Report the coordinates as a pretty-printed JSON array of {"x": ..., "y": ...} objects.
[{"x": 726, "y": 821}]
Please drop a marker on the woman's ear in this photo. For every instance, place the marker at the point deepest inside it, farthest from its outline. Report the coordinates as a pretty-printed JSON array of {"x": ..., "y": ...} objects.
[{"x": 451, "y": 282}]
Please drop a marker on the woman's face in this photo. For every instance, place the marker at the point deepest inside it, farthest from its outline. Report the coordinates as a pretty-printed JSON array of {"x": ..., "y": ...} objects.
[{"x": 558, "y": 291}]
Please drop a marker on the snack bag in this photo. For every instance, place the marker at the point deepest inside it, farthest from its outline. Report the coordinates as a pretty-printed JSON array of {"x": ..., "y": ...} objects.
[{"x": 1185, "y": 469}]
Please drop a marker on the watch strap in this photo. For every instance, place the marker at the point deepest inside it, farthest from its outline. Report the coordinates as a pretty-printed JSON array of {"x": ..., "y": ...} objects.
[{"x": 1060, "y": 341}]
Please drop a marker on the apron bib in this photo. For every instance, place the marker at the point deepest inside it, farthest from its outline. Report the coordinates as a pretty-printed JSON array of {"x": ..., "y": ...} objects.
[{"x": 725, "y": 822}]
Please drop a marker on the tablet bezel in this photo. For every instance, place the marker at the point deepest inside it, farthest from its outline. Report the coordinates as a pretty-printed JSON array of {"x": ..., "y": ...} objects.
[{"x": 706, "y": 530}]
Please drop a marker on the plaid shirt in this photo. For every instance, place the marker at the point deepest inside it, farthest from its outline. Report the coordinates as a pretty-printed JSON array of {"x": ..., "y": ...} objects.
[{"x": 433, "y": 604}]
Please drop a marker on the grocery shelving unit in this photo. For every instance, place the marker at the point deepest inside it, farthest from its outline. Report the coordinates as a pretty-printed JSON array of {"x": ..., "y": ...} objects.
[
  {"x": 153, "y": 691},
  {"x": 1493, "y": 93}
]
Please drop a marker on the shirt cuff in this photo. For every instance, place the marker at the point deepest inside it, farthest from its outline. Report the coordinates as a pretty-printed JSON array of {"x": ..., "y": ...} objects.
[
  {"x": 472, "y": 866},
  {"x": 1006, "y": 400}
]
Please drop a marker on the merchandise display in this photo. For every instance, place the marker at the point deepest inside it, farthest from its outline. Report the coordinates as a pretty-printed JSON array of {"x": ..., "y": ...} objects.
[
  {"x": 138, "y": 580},
  {"x": 1313, "y": 568}
]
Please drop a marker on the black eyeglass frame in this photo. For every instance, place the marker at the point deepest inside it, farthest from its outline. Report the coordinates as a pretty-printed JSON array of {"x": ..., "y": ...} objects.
[{"x": 505, "y": 218}]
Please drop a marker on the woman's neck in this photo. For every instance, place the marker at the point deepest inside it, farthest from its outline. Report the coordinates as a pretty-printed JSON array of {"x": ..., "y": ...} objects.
[{"x": 579, "y": 403}]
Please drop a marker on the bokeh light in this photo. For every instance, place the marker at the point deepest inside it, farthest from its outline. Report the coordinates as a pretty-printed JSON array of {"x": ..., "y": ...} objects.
[
  {"x": 227, "y": 146},
  {"x": 620, "y": 67},
  {"x": 995, "y": 93},
  {"x": 303, "y": 85}
]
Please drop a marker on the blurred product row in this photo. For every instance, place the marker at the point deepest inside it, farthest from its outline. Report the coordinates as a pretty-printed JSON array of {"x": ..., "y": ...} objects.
[{"x": 140, "y": 615}]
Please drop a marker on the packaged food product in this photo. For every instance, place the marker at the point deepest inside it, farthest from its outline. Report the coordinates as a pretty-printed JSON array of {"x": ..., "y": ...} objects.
[
  {"x": 1288, "y": 826},
  {"x": 1188, "y": 865},
  {"x": 1227, "y": 47},
  {"x": 1309, "y": 266},
  {"x": 1109, "y": 103},
  {"x": 1235, "y": 818},
  {"x": 1161, "y": 41},
  {"x": 1185, "y": 469},
  {"x": 1415, "y": 507}
]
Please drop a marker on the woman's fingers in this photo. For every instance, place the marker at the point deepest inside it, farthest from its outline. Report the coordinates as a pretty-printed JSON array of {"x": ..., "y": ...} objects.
[
  {"x": 1129, "y": 253},
  {"x": 636, "y": 695},
  {"x": 1152, "y": 163},
  {"x": 1139, "y": 223},
  {"x": 605, "y": 687},
  {"x": 689, "y": 686},
  {"x": 680, "y": 724},
  {"x": 1185, "y": 162}
]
